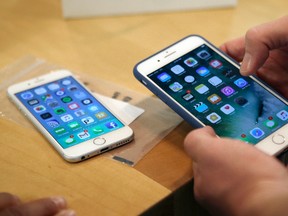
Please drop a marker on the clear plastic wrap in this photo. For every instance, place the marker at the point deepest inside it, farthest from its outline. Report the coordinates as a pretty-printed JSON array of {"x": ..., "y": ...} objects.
[{"x": 150, "y": 127}]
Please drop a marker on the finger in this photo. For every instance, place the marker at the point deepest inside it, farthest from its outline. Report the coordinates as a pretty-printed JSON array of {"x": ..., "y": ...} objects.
[
  {"x": 235, "y": 48},
  {"x": 262, "y": 39},
  {"x": 68, "y": 212},
  {"x": 278, "y": 79},
  {"x": 8, "y": 200},
  {"x": 41, "y": 207},
  {"x": 197, "y": 141}
]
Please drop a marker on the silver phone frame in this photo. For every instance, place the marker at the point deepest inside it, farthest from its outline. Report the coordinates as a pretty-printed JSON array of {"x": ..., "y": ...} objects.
[{"x": 82, "y": 150}]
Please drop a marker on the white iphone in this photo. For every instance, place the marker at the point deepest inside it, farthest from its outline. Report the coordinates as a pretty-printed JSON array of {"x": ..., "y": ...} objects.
[
  {"x": 204, "y": 86},
  {"x": 76, "y": 123}
]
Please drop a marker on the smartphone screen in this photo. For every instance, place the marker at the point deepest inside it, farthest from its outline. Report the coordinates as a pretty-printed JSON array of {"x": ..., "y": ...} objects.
[
  {"x": 68, "y": 111},
  {"x": 212, "y": 89}
]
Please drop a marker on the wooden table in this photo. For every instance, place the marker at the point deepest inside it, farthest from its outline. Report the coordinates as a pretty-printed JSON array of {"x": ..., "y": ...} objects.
[{"x": 106, "y": 47}]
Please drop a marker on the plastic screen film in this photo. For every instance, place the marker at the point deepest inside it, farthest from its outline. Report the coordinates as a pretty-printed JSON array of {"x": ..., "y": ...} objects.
[{"x": 149, "y": 128}]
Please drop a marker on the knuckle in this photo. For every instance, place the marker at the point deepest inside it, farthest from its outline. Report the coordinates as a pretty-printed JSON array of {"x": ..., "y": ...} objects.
[
  {"x": 51, "y": 206},
  {"x": 7, "y": 196},
  {"x": 252, "y": 33},
  {"x": 42, "y": 207}
]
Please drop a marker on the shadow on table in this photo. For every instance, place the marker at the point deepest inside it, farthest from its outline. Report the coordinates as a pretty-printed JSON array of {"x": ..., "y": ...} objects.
[{"x": 179, "y": 203}]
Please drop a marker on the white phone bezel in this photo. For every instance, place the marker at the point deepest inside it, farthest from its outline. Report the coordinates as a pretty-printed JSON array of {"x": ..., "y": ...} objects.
[
  {"x": 82, "y": 150},
  {"x": 186, "y": 45}
]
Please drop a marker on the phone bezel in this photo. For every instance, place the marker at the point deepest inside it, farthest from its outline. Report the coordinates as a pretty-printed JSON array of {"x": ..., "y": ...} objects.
[
  {"x": 82, "y": 150},
  {"x": 175, "y": 51}
]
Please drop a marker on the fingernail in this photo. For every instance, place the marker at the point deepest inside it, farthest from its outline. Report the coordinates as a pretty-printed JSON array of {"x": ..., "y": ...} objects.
[
  {"x": 59, "y": 201},
  {"x": 245, "y": 66},
  {"x": 68, "y": 212}
]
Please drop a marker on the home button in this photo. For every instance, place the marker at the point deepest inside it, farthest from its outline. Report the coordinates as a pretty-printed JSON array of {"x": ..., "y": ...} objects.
[
  {"x": 278, "y": 139},
  {"x": 99, "y": 141}
]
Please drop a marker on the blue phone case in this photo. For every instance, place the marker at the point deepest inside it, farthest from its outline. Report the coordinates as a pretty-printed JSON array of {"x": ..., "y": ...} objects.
[{"x": 170, "y": 102}]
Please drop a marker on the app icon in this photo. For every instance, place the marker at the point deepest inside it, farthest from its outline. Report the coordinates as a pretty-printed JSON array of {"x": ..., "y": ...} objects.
[
  {"x": 97, "y": 130},
  {"x": 283, "y": 115},
  {"x": 227, "y": 90},
  {"x": 72, "y": 88},
  {"x": 175, "y": 87},
  {"x": 241, "y": 83},
  {"x": 214, "y": 98},
  {"x": 244, "y": 138},
  {"x": 40, "y": 91},
  {"x": 270, "y": 123},
  {"x": 59, "y": 130},
  {"x": 190, "y": 62},
  {"x": 39, "y": 109},
  {"x": 241, "y": 101},
  {"x": 257, "y": 133},
  {"x": 229, "y": 73},
  {"x": 86, "y": 101},
  {"x": 69, "y": 140},
  {"x": 53, "y": 104},
  {"x": 46, "y": 97},
  {"x": 59, "y": 111},
  {"x": 83, "y": 135},
  {"x": 66, "y": 99},
  {"x": 189, "y": 79},
  {"x": 203, "y": 54},
  {"x": 215, "y": 63},
  {"x": 79, "y": 94},
  {"x": 53, "y": 86},
  {"x": 46, "y": 115},
  {"x": 93, "y": 108},
  {"x": 66, "y": 118},
  {"x": 227, "y": 109},
  {"x": 66, "y": 82},
  {"x": 27, "y": 95},
  {"x": 60, "y": 92},
  {"x": 33, "y": 102},
  {"x": 101, "y": 115},
  {"x": 215, "y": 81},
  {"x": 111, "y": 125},
  {"x": 213, "y": 117},
  {"x": 202, "y": 71},
  {"x": 177, "y": 69},
  {"x": 201, "y": 107},
  {"x": 163, "y": 77},
  {"x": 188, "y": 97},
  {"x": 53, "y": 123},
  {"x": 73, "y": 106},
  {"x": 74, "y": 125},
  {"x": 87, "y": 120},
  {"x": 79, "y": 113},
  {"x": 201, "y": 89}
]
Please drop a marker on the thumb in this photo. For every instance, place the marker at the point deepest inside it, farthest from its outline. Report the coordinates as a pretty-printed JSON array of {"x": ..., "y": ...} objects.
[{"x": 197, "y": 142}]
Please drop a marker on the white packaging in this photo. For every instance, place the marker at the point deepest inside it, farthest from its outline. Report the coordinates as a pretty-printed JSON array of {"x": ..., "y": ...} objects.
[{"x": 89, "y": 8}]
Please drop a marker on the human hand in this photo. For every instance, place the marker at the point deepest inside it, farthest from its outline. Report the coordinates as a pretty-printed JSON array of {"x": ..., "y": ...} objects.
[
  {"x": 264, "y": 51},
  {"x": 10, "y": 205},
  {"x": 234, "y": 178}
]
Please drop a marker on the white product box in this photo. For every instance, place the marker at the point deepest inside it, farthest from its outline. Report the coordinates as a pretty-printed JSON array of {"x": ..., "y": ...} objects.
[{"x": 88, "y": 8}]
